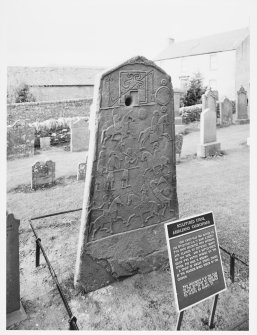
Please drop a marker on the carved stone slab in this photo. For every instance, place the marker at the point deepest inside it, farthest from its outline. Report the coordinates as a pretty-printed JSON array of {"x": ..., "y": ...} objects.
[
  {"x": 79, "y": 135},
  {"x": 14, "y": 309},
  {"x": 226, "y": 117},
  {"x": 241, "y": 106},
  {"x": 43, "y": 174},
  {"x": 131, "y": 173},
  {"x": 81, "y": 173}
]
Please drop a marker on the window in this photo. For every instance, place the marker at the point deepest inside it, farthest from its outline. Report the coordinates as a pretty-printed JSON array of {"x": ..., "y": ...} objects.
[
  {"x": 213, "y": 84},
  {"x": 213, "y": 62}
]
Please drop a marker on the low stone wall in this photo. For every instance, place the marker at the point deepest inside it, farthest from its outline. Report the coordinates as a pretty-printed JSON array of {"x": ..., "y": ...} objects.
[
  {"x": 40, "y": 111},
  {"x": 20, "y": 140}
]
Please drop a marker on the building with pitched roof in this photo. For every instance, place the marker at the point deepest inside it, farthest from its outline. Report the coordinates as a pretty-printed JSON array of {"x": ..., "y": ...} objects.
[
  {"x": 222, "y": 59},
  {"x": 55, "y": 83}
]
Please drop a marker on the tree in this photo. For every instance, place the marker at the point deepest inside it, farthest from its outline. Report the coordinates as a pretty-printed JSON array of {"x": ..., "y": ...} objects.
[
  {"x": 194, "y": 91},
  {"x": 23, "y": 94}
]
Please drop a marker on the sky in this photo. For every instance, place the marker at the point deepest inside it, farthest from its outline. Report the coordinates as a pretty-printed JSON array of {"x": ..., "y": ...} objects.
[{"x": 106, "y": 32}]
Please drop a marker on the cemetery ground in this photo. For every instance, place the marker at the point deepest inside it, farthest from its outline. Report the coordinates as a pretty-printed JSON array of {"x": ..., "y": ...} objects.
[{"x": 144, "y": 301}]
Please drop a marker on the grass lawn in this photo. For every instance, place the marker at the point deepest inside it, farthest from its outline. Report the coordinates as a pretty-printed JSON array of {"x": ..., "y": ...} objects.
[{"x": 144, "y": 301}]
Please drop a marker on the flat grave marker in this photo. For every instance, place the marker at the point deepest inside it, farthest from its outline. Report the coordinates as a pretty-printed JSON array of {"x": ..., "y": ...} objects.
[{"x": 195, "y": 260}]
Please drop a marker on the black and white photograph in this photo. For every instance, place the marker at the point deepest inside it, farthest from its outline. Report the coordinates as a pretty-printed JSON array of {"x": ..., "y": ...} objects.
[{"x": 127, "y": 165}]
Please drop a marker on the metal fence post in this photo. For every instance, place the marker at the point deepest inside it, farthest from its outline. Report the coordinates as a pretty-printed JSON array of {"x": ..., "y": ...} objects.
[
  {"x": 232, "y": 267},
  {"x": 38, "y": 252}
]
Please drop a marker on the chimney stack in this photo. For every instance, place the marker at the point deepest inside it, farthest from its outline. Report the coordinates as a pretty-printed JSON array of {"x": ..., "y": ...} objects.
[{"x": 171, "y": 40}]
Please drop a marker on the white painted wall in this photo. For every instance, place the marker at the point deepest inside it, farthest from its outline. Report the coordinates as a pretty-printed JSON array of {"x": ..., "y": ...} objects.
[{"x": 223, "y": 75}]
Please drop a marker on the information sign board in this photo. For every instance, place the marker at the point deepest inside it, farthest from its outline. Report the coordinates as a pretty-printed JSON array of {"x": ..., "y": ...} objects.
[{"x": 195, "y": 260}]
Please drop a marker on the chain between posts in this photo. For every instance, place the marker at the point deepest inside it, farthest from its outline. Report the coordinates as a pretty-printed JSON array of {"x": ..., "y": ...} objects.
[{"x": 72, "y": 318}]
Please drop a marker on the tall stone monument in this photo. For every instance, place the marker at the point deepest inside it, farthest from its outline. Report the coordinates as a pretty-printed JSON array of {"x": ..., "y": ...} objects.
[
  {"x": 79, "y": 135},
  {"x": 208, "y": 140},
  {"x": 226, "y": 108},
  {"x": 130, "y": 189},
  {"x": 241, "y": 107},
  {"x": 14, "y": 309}
]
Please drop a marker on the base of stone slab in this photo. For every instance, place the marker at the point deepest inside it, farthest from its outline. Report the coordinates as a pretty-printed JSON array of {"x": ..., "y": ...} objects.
[
  {"x": 16, "y": 316},
  {"x": 179, "y": 128},
  {"x": 121, "y": 255},
  {"x": 178, "y": 120},
  {"x": 242, "y": 121},
  {"x": 208, "y": 149}
]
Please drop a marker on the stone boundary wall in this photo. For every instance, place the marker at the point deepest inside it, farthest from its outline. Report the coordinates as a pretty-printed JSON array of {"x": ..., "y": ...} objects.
[{"x": 44, "y": 110}]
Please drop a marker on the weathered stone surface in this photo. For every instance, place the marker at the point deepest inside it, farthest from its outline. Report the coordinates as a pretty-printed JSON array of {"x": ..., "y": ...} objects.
[
  {"x": 20, "y": 140},
  {"x": 15, "y": 312},
  {"x": 209, "y": 99},
  {"x": 82, "y": 169},
  {"x": 43, "y": 174},
  {"x": 130, "y": 188},
  {"x": 241, "y": 106},
  {"x": 79, "y": 135},
  {"x": 179, "y": 143},
  {"x": 226, "y": 117},
  {"x": 44, "y": 143},
  {"x": 208, "y": 144},
  {"x": 207, "y": 126}
]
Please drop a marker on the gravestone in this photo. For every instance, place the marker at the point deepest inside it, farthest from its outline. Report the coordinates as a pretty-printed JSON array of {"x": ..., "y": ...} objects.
[
  {"x": 209, "y": 99},
  {"x": 45, "y": 143},
  {"x": 226, "y": 117},
  {"x": 14, "y": 310},
  {"x": 178, "y": 117},
  {"x": 20, "y": 140},
  {"x": 179, "y": 143},
  {"x": 79, "y": 135},
  {"x": 241, "y": 107},
  {"x": 43, "y": 174},
  {"x": 208, "y": 141},
  {"x": 130, "y": 188},
  {"x": 82, "y": 169}
]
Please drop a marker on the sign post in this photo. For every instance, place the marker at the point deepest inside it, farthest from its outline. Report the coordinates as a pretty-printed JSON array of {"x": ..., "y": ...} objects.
[{"x": 195, "y": 260}]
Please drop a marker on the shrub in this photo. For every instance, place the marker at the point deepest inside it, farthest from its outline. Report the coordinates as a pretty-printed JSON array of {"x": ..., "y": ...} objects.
[
  {"x": 191, "y": 113},
  {"x": 22, "y": 94},
  {"x": 195, "y": 90}
]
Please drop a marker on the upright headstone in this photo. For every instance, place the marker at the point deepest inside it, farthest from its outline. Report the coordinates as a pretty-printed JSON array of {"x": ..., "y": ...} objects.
[
  {"x": 79, "y": 135},
  {"x": 45, "y": 143},
  {"x": 81, "y": 173},
  {"x": 241, "y": 107},
  {"x": 179, "y": 143},
  {"x": 14, "y": 310},
  {"x": 20, "y": 140},
  {"x": 130, "y": 187},
  {"x": 177, "y": 94},
  {"x": 43, "y": 174},
  {"x": 226, "y": 117},
  {"x": 208, "y": 141},
  {"x": 209, "y": 99}
]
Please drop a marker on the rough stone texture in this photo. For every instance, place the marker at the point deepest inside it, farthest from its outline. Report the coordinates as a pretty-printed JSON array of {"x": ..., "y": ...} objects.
[
  {"x": 226, "y": 117},
  {"x": 130, "y": 189},
  {"x": 179, "y": 143},
  {"x": 208, "y": 145},
  {"x": 82, "y": 169},
  {"x": 44, "y": 143},
  {"x": 20, "y": 140},
  {"x": 14, "y": 310},
  {"x": 209, "y": 99},
  {"x": 241, "y": 106},
  {"x": 41, "y": 111},
  {"x": 79, "y": 135},
  {"x": 43, "y": 174}
]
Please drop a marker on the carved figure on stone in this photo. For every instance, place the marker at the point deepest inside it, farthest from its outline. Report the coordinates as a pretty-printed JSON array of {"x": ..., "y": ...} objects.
[
  {"x": 158, "y": 191},
  {"x": 109, "y": 216},
  {"x": 129, "y": 160}
]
